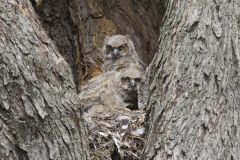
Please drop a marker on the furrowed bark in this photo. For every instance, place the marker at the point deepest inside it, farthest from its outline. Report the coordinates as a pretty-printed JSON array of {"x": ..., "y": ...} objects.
[
  {"x": 96, "y": 19},
  {"x": 193, "y": 81},
  {"x": 194, "y": 90},
  {"x": 40, "y": 116}
]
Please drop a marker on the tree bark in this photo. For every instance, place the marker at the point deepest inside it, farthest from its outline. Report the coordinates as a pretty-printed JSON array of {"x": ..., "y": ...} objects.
[
  {"x": 96, "y": 19},
  {"x": 193, "y": 95},
  {"x": 194, "y": 90},
  {"x": 40, "y": 116}
]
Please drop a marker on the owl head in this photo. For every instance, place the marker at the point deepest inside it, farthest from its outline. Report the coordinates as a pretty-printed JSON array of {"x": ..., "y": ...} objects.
[
  {"x": 130, "y": 80},
  {"x": 127, "y": 84},
  {"x": 117, "y": 46}
]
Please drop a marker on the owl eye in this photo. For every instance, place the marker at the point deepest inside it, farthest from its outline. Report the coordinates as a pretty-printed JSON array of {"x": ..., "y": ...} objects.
[
  {"x": 125, "y": 79},
  {"x": 122, "y": 47},
  {"x": 109, "y": 48}
]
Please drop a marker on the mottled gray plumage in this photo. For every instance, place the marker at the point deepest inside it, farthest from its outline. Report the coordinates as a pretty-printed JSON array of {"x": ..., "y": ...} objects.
[
  {"x": 127, "y": 86},
  {"x": 107, "y": 98},
  {"x": 112, "y": 89},
  {"x": 118, "y": 86},
  {"x": 119, "y": 53}
]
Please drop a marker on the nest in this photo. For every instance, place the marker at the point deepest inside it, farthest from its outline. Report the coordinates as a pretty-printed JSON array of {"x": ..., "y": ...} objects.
[{"x": 116, "y": 134}]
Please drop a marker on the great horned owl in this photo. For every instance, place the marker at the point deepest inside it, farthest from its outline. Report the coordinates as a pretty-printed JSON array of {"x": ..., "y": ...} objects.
[
  {"x": 127, "y": 85},
  {"x": 112, "y": 89},
  {"x": 119, "y": 53}
]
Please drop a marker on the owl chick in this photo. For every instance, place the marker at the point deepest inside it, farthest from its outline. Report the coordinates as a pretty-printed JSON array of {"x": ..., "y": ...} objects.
[
  {"x": 119, "y": 52},
  {"x": 112, "y": 89},
  {"x": 96, "y": 91},
  {"x": 127, "y": 85}
]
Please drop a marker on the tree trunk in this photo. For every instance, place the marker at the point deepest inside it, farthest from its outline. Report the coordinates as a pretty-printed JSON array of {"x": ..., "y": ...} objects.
[
  {"x": 96, "y": 19},
  {"x": 40, "y": 116},
  {"x": 194, "y": 90},
  {"x": 193, "y": 81}
]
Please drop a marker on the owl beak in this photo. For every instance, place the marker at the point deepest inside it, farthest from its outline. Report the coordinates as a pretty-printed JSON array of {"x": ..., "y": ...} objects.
[
  {"x": 132, "y": 84},
  {"x": 115, "y": 51}
]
